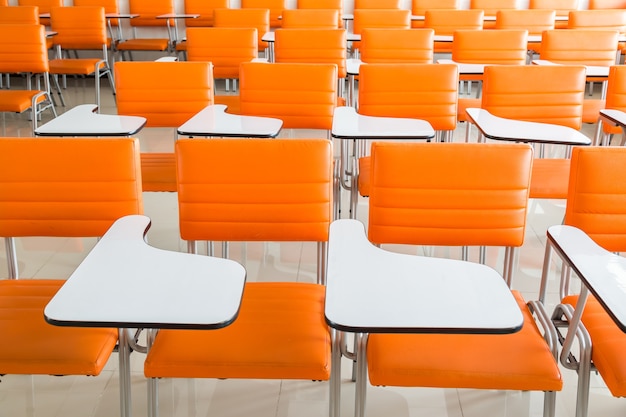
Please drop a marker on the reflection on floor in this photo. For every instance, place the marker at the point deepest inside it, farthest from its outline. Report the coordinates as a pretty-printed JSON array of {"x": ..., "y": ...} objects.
[{"x": 47, "y": 396}]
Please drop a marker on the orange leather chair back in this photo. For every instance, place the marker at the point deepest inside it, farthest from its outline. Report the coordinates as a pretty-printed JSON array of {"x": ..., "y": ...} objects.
[
  {"x": 379, "y": 18},
  {"x": 239, "y": 190},
  {"x": 312, "y": 46},
  {"x": 148, "y": 10},
  {"x": 275, "y": 7},
  {"x": 446, "y": 22},
  {"x": 43, "y": 5},
  {"x": 422, "y": 91},
  {"x": 18, "y": 15},
  {"x": 596, "y": 202},
  {"x": 376, "y": 4},
  {"x": 451, "y": 194},
  {"x": 419, "y": 7},
  {"x": 237, "y": 18},
  {"x": 77, "y": 27},
  {"x": 301, "y": 95},
  {"x": 580, "y": 46},
  {"x": 206, "y": 10},
  {"x": 310, "y": 18},
  {"x": 502, "y": 47},
  {"x": 616, "y": 88},
  {"x": 561, "y": 7},
  {"x": 491, "y": 7},
  {"x": 323, "y": 4},
  {"x": 607, "y": 4},
  {"x": 608, "y": 19},
  {"x": 110, "y": 6},
  {"x": 167, "y": 94},
  {"x": 47, "y": 185},
  {"x": 23, "y": 49},
  {"x": 535, "y": 21},
  {"x": 545, "y": 94},
  {"x": 397, "y": 45},
  {"x": 225, "y": 48}
]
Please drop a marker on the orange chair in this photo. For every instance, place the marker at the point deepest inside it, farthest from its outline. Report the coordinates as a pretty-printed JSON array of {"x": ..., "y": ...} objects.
[
  {"x": 58, "y": 187},
  {"x": 141, "y": 91},
  {"x": 421, "y": 91},
  {"x": 595, "y": 205},
  {"x": 302, "y": 105},
  {"x": 44, "y": 7},
  {"x": 225, "y": 48},
  {"x": 310, "y": 19},
  {"x": 535, "y": 21},
  {"x": 376, "y": 4},
  {"x": 251, "y": 18},
  {"x": 606, "y": 19},
  {"x": 419, "y": 7},
  {"x": 549, "y": 94},
  {"x": 23, "y": 50},
  {"x": 19, "y": 15},
  {"x": 491, "y": 8},
  {"x": 616, "y": 100},
  {"x": 324, "y": 4},
  {"x": 114, "y": 26},
  {"x": 438, "y": 194},
  {"x": 446, "y": 22},
  {"x": 607, "y": 4},
  {"x": 313, "y": 46},
  {"x": 561, "y": 7},
  {"x": 80, "y": 28},
  {"x": 206, "y": 11},
  {"x": 148, "y": 10},
  {"x": 409, "y": 46},
  {"x": 379, "y": 18},
  {"x": 276, "y": 8},
  {"x": 280, "y": 332}
]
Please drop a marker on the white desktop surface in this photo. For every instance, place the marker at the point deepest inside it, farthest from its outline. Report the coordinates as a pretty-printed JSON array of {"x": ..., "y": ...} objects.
[
  {"x": 498, "y": 128},
  {"x": 372, "y": 290},
  {"x": 348, "y": 124},
  {"x": 592, "y": 70},
  {"x": 614, "y": 117},
  {"x": 123, "y": 282},
  {"x": 465, "y": 68},
  {"x": 214, "y": 121},
  {"x": 83, "y": 121}
]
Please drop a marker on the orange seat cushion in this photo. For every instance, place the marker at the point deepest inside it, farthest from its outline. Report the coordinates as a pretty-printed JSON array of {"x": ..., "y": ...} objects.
[
  {"x": 158, "y": 171},
  {"x": 32, "y": 346},
  {"x": 517, "y": 361},
  {"x": 140, "y": 44},
  {"x": 608, "y": 344},
  {"x": 280, "y": 333},
  {"x": 549, "y": 178},
  {"x": 465, "y": 103},
  {"x": 591, "y": 109},
  {"x": 17, "y": 100},
  {"x": 233, "y": 103}
]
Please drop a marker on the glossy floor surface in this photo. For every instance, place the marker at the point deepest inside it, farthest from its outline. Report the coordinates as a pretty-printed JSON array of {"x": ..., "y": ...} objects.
[{"x": 48, "y": 396}]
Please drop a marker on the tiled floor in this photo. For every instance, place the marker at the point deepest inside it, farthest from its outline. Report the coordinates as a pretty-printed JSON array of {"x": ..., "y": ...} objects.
[{"x": 47, "y": 396}]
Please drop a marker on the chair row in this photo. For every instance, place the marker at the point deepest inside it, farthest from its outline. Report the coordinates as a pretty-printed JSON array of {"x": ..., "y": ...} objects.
[{"x": 415, "y": 199}]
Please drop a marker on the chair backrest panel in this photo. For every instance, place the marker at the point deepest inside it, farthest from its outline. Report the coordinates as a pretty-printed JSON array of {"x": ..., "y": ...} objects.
[
  {"x": 225, "y": 48},
  {"x": 616, "y": 88},
  {"x": 379, "y": 18},
  {"x": 19, "y": 15},
  {"x": 397, "y": 45},
  {"x": 23, "y": 49},
  {"x": 547, "y": 94},
  {"x": 536, "y": 21},
  {"x": 607, "y": 4},
  {"x": 580, "y": 46},
  {"x": 79, "y": 27},
  {"x": 324, "y": 4},
  {"x": 507, "y": 47},
  {"x": 313, "y": 46},
  {"x": 110, "y": 6},
  {"x": 422, "y": 91},
  {"x": 608, "y": 19},
  {"x": 491, "y": 7},
  {"x": 167, "y": 94},
  {"x": 377, "y": 4},
  {"x": 237, "y": 18},
  {"x": 148, "y": 10},
  {"x": 596, "y": 202},
  {"x": 301, "y": 95},
  {"x": 451, "y": 194},
  {"x": 206, "y": 10},
  {"x": 446, "y": 22},
  {"x": 67, "y": 186},
  {"x": 310, "y": 18},
  {"x": 287, "y": 199},
  {"x": 275, "y": 7}
]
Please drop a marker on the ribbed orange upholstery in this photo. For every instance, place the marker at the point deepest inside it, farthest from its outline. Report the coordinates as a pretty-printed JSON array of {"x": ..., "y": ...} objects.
[
  {"x": 44, "y": 6},
  {"x": 550, "y": 178},
  {"x": 80, "y": 28},
  {"x": 254, "y": 189},
  {"x": 312, "y": 46},
  {"x": 310, "y": 18},
  {"x": 147, "y": 10},
  {"x": 561, "y": 7},
  {"x": 446, "y": 22},
  {"x": 324, "y": 4},
  {"x": 518, "y": 361},
  {"x": 265, "y": 90},
  {"x": 255, "y": 203},
  {"x": 275, "y": 7},
  {"x": 206, "y": 10},
  {"x": 110, "y": 7},
  {"x": 225, "y": 48},
  {"x": 615, "y": 95},
  {"x": 18, "y": 15},
  {"x": 379, "y": 18},
  {"x": 535, "y": 21},
  {"x": 607, "y": 4},
  {"x": 167, "y": 94},
  {"x": 393, "y": 45},
  {"x": 456, "y": 194},
  {"x": 580, "y": 46},
  {"x": 59, "y": 187},
  {"x": 419, "y": 7},
  {"x": 438, "y": 203},
  {"x": 608, "y": 19},
  {"x": 376, "y": 4},
  {"x": 251, "y": 18},
  {"x": 23, "y": 49},
  {"x": 491, "y": 7}
]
